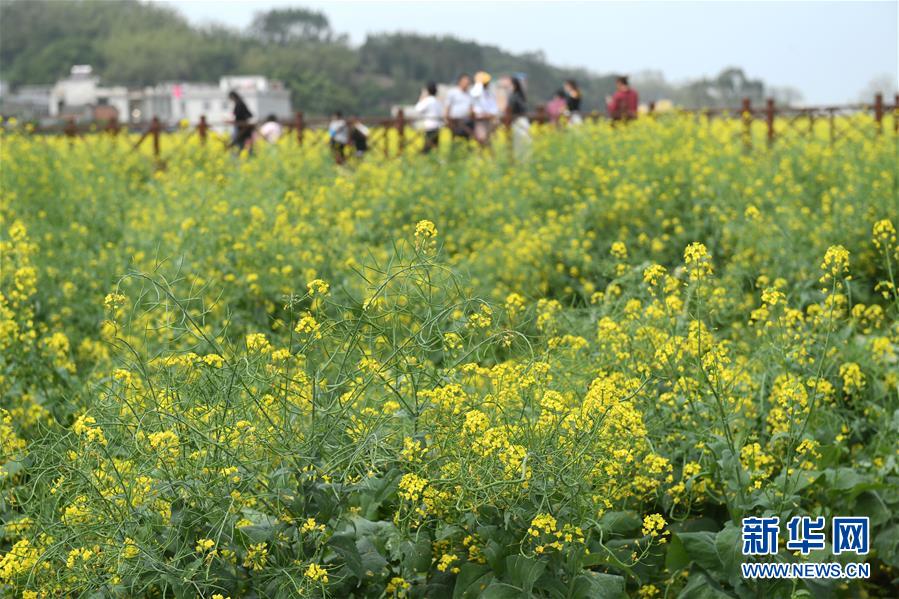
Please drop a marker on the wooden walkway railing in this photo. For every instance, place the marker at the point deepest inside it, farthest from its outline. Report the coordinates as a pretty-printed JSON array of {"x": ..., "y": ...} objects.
[{"x": 800, "y": 120}]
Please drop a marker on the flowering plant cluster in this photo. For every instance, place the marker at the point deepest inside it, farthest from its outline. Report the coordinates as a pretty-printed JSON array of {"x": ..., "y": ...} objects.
[{"x": 570, "y": 376}]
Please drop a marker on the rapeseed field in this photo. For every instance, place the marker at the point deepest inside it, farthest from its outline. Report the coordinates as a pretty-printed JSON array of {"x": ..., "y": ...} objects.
[{"x": 568, "y": 371}]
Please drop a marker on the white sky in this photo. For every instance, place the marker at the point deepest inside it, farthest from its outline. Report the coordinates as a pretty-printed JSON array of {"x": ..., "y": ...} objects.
[{"x": 828, "y": 50}]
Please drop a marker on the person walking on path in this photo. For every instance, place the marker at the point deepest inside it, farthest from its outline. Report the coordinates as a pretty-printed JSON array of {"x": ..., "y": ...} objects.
[
  {"x": 243, "y": 128},
  {"x": 430, "y": 110}
]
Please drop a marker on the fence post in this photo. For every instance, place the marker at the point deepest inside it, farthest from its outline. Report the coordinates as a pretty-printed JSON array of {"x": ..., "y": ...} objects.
[
  {"x": 652, "y": 107},
  {"x": 507, "y": 123},
  {"x": 878, "y": 111},
  {"x": 202, "y": 128},
  {"x": 154, "y": 131},
  {"x": 401, "y": 131},
  {"x": 298, "y": 125},
  {"x": 747, "y": 123},
  {"x": 112, "y": 127},
  {"x": 896, "y": 114},
  {"x": 70, "y": 129},
  {"x": 830, "y": 118},
  {"x": 769, "y": 119}
]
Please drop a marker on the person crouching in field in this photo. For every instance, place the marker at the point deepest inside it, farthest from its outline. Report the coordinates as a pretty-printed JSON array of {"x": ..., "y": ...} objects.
[
  {"x": 271, "y": 129},
  {"x": 623, "y": 104},
  {"x": 359, "y": 137},
  {"x": 556, "y": 107},
  {"x": 242, "y": 135},
  {"x": 339, "y": 136},
  {"x": 429, "y": 110}
]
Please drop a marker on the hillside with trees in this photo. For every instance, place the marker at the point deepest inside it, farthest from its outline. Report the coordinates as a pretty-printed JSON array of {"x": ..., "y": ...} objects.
[{"x": 136, "y": 44}]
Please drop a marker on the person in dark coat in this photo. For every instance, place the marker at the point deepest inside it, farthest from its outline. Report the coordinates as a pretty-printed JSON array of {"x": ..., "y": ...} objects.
[{"x": 243, "y": 128}]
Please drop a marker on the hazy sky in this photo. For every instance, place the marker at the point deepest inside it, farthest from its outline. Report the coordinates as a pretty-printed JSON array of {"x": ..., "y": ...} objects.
[{"x": 827, "y": 50}]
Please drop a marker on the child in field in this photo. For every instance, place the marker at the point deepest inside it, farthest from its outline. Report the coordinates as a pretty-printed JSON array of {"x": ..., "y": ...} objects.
[
  {"x": 359, "y": 137},
  {"x": 556, "y": 107},
  {"x": 339, "y": 135},
  {"x": 271, "y": 130}
]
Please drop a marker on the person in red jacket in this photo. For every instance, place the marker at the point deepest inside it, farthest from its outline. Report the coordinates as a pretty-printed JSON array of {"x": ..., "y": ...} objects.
[{"x": 623, "y": 105}]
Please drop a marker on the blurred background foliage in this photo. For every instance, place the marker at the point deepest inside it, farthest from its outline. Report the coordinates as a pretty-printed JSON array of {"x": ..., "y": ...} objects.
[{"x": 132, "y": 43}]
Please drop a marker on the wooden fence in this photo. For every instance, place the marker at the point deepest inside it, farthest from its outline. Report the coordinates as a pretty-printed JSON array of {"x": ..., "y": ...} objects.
[{"x": 307, "y": 130}]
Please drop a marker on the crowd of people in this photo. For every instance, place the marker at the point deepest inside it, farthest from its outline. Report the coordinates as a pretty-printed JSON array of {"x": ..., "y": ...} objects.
[
  {"x": 470, "y": 110},
  {"x": 347, "y": 134},
  {"x": 342, "y": 133},
  {"x": 244, "y": 132}
]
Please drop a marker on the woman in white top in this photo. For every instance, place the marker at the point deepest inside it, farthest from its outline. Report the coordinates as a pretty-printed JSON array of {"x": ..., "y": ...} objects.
[{"x": 430, "y": 111}]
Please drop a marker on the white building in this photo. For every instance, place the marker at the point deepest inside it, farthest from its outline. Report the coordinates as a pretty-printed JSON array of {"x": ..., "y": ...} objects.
[
  {"x": 173, "y": 102},
  {"x": 80, "y": 95},
  {"x": 26, "y": 101}
]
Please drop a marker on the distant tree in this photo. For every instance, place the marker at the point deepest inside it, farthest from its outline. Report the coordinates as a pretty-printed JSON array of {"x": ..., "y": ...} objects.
[
  {"x": 409, "y": 60},
  {"x": 41, "y": 39},
  {"x": 882, "y": 84},
  {"x": 320, "y": 77},
  {"x": 420, "y": 57},
  {"x": 284, "y": 25},
  {"x": 726, "y": 90},
  {"x": 652, "y": 86},
  {"x": 48, "y": 63},
  {"x": 785, "y": 94},
  {"x": 732, "y": 85}
]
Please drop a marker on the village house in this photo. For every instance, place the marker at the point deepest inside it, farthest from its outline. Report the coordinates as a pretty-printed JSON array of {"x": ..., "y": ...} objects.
[{"x": 81, "y": 96}]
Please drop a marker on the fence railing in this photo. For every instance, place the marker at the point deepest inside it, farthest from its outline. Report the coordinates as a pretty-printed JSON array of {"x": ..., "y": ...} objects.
[{"x": 301, "y": 127}]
